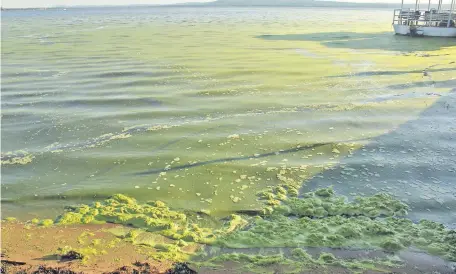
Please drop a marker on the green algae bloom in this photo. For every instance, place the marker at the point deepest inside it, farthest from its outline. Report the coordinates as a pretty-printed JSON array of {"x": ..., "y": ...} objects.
[
  {"x": 325, "y": 220},
  {"x": 152, "y": 217},
  {"x": 299, "y": 261},
  {"x": 317, "y": 219},
  {"x": 323, "y": 203}
]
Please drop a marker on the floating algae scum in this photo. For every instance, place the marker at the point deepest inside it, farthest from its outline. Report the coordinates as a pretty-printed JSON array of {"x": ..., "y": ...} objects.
[{"x": 234, "y": 118}]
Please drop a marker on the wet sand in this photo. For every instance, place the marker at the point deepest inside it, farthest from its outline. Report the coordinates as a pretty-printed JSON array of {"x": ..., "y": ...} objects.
[{"x": 32, "y": 247}]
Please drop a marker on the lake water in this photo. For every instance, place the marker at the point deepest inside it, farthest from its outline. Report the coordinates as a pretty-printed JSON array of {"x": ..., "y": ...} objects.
[{"x": 197, "y": 107}]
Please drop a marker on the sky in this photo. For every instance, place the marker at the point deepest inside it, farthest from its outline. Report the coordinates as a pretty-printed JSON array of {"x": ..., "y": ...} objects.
[{"x": 51, "y": 3}]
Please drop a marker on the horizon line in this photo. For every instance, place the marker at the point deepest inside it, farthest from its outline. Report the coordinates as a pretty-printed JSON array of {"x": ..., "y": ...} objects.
[
  {"x": 207, "y": 3},
  {"x": 201, "y": 4}
]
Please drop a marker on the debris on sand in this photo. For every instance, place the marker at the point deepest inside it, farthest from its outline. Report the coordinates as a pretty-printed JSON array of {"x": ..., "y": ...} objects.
[
  {"x": 71, "y": 255},
  {"x": 52, "y": 270},
  {"x": 138, "y": 267},
  {"x": 181, "y": 268}
]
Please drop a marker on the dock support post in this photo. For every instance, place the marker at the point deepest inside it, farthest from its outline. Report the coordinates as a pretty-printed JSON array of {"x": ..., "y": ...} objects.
[
  {"x": 451, "y": 13},
  {"x": 400, "y": 14},
  {"x": 430, "y": 14}
]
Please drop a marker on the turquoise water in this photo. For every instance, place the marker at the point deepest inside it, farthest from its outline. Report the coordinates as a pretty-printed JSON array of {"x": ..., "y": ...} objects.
[{"x": 203, "y": 107}]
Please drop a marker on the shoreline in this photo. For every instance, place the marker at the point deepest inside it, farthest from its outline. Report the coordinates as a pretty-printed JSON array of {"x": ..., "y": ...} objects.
[{"x": 30, "y": 249}]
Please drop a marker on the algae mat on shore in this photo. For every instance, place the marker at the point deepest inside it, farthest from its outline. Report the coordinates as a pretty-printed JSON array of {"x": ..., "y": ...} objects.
[{"x": 317, "y": 219}]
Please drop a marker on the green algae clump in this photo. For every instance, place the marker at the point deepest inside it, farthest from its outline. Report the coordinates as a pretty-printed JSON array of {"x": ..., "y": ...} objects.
[
  {"x": 123, "y": 199},
  {"x": 324, "y": 192},
  {"x": 391, "y": 245},
  {"x": 235, "y": 222},
  {"x": 301, "y": 255},
  {"x": 151, "y": 217},
  {"x": 327, "y": 220},
  {"x": 46, "y": 222},
  {"x": 10, "y": 219},
  {"x": 35, "y": 221},
  {"x": 70, "y": 218},
  {"x": 323, "y": 202},
  {"x": 327, "y": 258},
  {"x": 20, "y": 157}
]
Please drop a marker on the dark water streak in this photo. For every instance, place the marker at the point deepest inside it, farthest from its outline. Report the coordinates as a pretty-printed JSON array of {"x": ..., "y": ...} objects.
[{"x": 243, "y": 158}]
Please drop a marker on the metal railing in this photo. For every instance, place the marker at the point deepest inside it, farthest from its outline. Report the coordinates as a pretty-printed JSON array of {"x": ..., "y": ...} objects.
[{"x": 424, "y": 18}]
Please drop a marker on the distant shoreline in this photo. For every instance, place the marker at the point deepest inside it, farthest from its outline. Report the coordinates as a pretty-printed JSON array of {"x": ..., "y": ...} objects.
[
  {"x": 187, "y": 6},
  {"x": 234, "y": 4},
  {"x": 231, "y": 3}
]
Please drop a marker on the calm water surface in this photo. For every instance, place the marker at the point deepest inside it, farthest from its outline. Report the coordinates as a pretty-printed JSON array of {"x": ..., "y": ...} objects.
[{"x": 198, "y": 107}]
